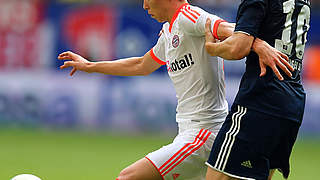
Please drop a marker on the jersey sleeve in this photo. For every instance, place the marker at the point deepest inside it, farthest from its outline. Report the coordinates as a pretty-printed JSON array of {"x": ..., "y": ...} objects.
[
  {"x": 194, "y": 21},
  {"x": 158, "y": 51},
  {"x": 250, "y": 16}
]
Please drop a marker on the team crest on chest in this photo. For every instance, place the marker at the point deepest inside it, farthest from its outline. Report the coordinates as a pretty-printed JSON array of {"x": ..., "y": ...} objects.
[{"x": 175, "y": 41}]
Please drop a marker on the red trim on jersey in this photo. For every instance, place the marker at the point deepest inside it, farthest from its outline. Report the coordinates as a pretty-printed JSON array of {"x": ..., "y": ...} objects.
[
  {"x": 194, "y": 11},
  {"x": 184, "y": 13},
  {"x": 176, "y": 15},
  {"x": 154, "y": 57},
  {"x": 177, "y": 158},
  {"x": 215, "y": 28},
  {"x": 192, "y": 148},
  {"x": 191, "y": 13},
  {"x": 154, "y": 166}
]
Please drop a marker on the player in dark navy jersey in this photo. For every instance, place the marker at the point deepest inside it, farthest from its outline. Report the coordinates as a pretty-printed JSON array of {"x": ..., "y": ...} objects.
[{"x": 261, "y": 128}]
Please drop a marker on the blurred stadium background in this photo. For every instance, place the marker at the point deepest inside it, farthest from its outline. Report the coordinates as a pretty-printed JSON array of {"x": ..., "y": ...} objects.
[{"x": 91, "y": 126}]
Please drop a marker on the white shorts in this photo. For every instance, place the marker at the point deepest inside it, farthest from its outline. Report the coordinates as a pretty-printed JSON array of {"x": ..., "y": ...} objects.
[{"x": 185, "y": 157}]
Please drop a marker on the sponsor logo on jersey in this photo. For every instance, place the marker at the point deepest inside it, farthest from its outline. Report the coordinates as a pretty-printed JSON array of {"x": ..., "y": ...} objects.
[
  {"x": 175, "y": 41},
  {"x": 180, "y": 64}
]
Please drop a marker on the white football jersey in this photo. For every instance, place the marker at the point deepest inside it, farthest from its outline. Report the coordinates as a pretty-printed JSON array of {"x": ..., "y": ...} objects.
[{"x": 198, "y": 78}]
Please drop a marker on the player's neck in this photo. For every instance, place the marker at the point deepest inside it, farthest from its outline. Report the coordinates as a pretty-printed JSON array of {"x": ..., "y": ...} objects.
[{"x": 174, "y": 8}]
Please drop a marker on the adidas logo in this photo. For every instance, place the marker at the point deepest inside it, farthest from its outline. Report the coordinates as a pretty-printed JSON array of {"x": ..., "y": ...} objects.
[{"x": 246, "y": 164}]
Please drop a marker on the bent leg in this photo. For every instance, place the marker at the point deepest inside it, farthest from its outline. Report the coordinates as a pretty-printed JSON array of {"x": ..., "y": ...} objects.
[
  {"x": 216, "y": 175},
  {"x": 140, "y": 170}
]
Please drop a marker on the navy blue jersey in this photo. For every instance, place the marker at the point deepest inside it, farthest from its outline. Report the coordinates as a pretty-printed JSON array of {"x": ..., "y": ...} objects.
[{"x": 284, "y": 25}]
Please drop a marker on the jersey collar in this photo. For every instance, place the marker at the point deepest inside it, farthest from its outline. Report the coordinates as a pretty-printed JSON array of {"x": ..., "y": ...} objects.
[{"x": 176, "y": 15}]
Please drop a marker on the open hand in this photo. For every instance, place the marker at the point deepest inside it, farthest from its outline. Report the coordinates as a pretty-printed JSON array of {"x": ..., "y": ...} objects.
[
  {"x": 74, "y": 60},
  {"x": 269, "y": 56}
]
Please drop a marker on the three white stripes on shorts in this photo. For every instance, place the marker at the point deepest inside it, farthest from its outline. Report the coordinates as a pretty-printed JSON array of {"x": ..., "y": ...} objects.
[{"x": 229, "y": 139}]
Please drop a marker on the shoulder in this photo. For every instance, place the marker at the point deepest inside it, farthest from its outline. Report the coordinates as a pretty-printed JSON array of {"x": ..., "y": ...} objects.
[
  {"x": 163, "y": 33},
  {"x": 189, "y": 16}
]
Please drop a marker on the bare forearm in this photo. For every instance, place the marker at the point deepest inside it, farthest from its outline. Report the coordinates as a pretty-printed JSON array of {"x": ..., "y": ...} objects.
[
  {"x": 233, "y": 48},
  {"x": 134, "y": 66},
  {"x": 123, "y": 67},
  {"x": 220, "y": 49}
]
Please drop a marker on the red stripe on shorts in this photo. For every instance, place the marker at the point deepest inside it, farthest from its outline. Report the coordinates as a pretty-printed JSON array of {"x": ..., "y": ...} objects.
[
  {"x": 193, "y": 150},
  {"x": 178, "y": 157},
  {"x": 181, "y": 150}
]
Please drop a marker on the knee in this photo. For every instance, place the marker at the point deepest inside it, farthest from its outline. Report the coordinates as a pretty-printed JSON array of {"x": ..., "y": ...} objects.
[{"x": 126, "y": 174}]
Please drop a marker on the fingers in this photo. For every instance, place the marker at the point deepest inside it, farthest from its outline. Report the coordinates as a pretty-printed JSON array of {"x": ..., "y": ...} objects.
[
  {"x": 284, "y": 56},
  {"x": 63, "y": 55},
  {"x": 208, "y": 33},
  {"x": 284, "y": 65},
  {"x": 68, "y": 64},
  {"x": 73, "y": 71},
  {"x": 273, "y": 65},
  {"x": 208, "y": 25},
  {"x": 285, "y": 60},
  {"x": 284, "y": 69},
  {"x": 263, "y": 69},
  {"x": 66, "y": 55},
  {"x": 276, "y": 72}
]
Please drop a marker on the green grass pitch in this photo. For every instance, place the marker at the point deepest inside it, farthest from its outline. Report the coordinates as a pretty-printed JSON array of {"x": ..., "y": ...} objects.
[{"x": 96, "y": 156}]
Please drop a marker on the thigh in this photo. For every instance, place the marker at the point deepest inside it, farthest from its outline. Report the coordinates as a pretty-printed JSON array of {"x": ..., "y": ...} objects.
[
  {"x": 185, "y": 158},
  {"x": 142, "y": 169},
  {"x": 216, "y": 175}
]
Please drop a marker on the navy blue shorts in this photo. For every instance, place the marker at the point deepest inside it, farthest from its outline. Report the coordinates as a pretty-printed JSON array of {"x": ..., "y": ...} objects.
[{"x": 251, "y": 143}]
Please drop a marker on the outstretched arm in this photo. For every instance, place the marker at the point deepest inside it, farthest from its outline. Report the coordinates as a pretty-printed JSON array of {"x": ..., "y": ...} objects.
[
  {"x": 135, "y": 66},
  {"x": 238, "y": 45}
]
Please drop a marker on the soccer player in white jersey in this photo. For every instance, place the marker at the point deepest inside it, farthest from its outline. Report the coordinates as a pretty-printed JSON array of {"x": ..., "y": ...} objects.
[{"x": 198, "y": 81}]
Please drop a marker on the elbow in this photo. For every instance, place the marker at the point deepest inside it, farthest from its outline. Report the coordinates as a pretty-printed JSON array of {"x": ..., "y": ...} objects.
[
  {"x": 141, "y": 71},
  {"x": 145, "y": 73}
]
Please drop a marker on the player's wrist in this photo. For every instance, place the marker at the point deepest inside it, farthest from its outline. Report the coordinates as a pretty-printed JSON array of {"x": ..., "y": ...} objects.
[
  {"x": 257, "y": 45},
  {"x": 91, "y": 67}
]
